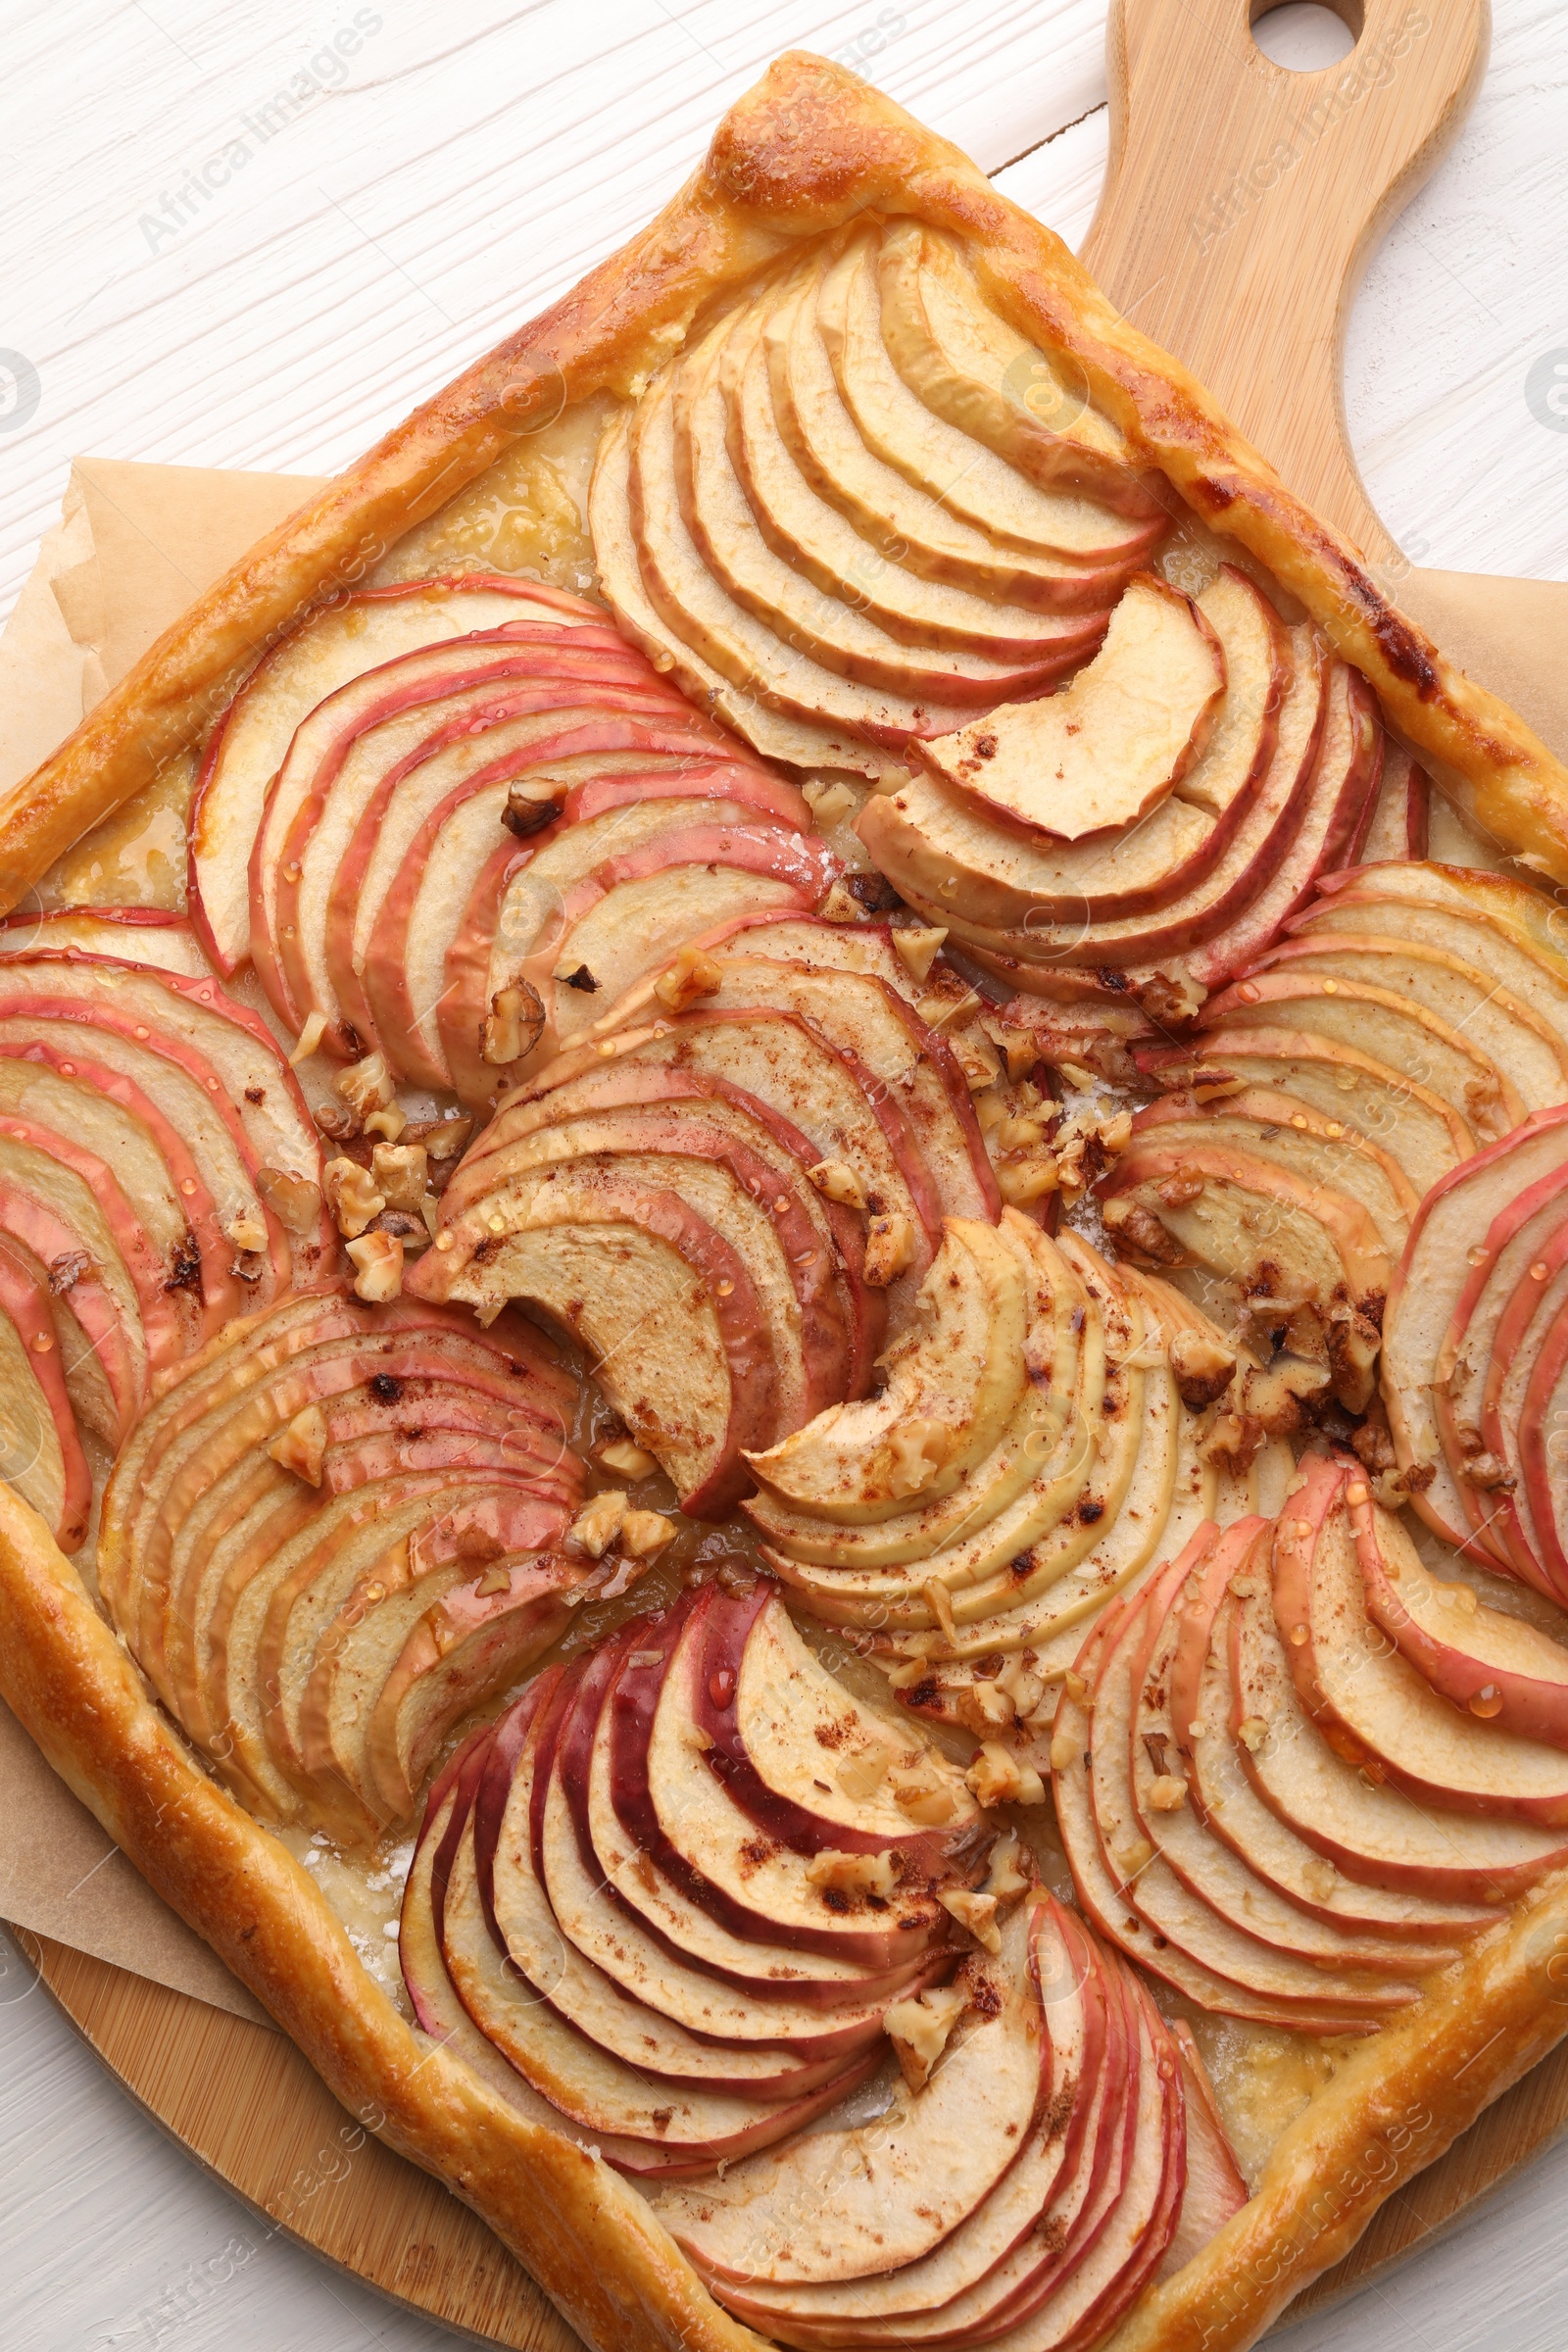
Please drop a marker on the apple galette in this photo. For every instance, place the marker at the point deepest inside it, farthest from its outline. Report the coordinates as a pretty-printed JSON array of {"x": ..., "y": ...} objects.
[{"x": 821, "y": 1274}]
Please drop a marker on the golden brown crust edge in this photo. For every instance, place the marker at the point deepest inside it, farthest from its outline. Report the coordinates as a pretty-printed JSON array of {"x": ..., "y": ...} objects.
[{"x": 806, "y": 150}]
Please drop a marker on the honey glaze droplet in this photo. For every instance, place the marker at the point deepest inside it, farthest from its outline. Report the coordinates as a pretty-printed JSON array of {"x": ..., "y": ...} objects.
[{"x": 1487, "y": 1703}]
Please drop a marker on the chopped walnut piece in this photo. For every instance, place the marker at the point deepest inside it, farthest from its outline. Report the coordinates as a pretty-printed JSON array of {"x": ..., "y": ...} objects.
[
  {"x": 1167, "y": 1793},
  {"x": 996, "y": 1777},
  {"x": 1130, "y": 1222},
  {"x": 1004, "y": 1878},
  {"x": 352, "y": 1196},
  {"x": 378, "y": 1257},
  {"x": 366, "y": 1086},
  {"x": 1353, "y": 1347},
  {"x": 514, "y": 1024},
  {"x": 918, "y": 947},
  {"x": 692, "y": 976},
  {"x": 851, "y": 1874},
  {"x": 1065, "y": 1752},
  {"x": 400, "y": 1173},
  {"x": 597, "y": 1523},
  {"x": 1201, "y": 1365},
  {"x": 247, "y": 1230},
  {"x": 1286, "y": 1397},
  {"x": 1487, "y": 1471},
  {"x": 889, "y": 1247},
  {"x": 294, "y": 1200},
  {"x": 918, "y": 2029},
  {"x": 1251, "y": 1731},
  {"x": 975, "y": 1913},
  {"x": 986, "y": 1707},
  {"x": 836, "y": 1182},
  {"x": 301, "y": 1445},
  {"x": 841, "y": 905},
  {"x": 862, "y": 1775},
  {"x": 924, "y": 1801}
]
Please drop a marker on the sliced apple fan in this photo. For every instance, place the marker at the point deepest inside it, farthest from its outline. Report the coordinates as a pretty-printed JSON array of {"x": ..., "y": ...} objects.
[{"x": 1298, "y": 1771}]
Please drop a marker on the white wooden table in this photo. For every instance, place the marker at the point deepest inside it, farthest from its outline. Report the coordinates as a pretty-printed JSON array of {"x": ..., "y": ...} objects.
[{"x": 254, "y": 235}]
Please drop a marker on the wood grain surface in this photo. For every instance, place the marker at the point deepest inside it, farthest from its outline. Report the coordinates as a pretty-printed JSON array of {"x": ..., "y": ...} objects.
[{"x": 238, "y": 2097}]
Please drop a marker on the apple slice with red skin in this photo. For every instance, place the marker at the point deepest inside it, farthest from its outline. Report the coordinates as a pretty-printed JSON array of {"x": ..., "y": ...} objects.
[
  {"x": 963, "y": 361},
  {"x": 755, "y": 655},
  {"x": 1005, "y": 880},
  {"x": 1105, "y": 1894},
  {"x": 1425, "y": 1134},
  {"x": 1215, "y": 2190},
  {"x": 1508, "y": 1517},
  {"x": 424, "y": 1972},
  {"x": 786, "y": 1062},
  {"x": 1062, "y": 536},
  {"x": 228, "y": 1048},
  {"x": 1322, "y": 1247},
  {"x": 418, "y": 687},
  {"x": 1177, "y": 1620},
  {"x": 755, "y": 1686},
  {"x": 1399, "y": 1033},
  {"x": 1260, "y": 882},
  {"x": 97, "y": 1295},
  {"x": 496, "y": 742},
  {"x": 332, "y": 645},
  {"x": 694, "y": 1832},
  {"x": 826, "y": 619},
  {"x": 197, "y": 1133},
  {"x": 862, "y": 328},
  {"x": 664, "y": 1909},
  {"x": 86, "y": 1193},
  {"x": 1509, "y": 1295},
  {"x": 1540, "y": 1418},
  {"x": 808, "y": 533},
  {"x": 1433, "y": 1292},
  {"x": 1102, "y": 753},
  {"x": 1499, "y": 925},
  {"x": 1368, "y": 1974},
  {"x": 43, "y": 1458},
  {"x": 1524, "y": 1045},
  {"x": 901, "y": 1051},
  {"x": 755, "y": 1123},
  {"x": 738, "y": 1192},
  {"x": 1355, "y": 1678},
  {"x": 1070, "y": 954},
  {"x": 509, "y": 1823},
  {"x": 1067, "y": 2227},
  {"x": 675, "y": 2132},
  {"x": 1400, "y": 818},
  {"x": 108, "y": 1115},
  {"x": 1204, "y": 1711},
  {"x": 1069, "y": 1983},
  {"x": 1263, "y": 1124},
  {"x": 625, "y": 737},
  {"x": 652, "y": 1290},
  {"x": 801, "y": 2216},
  {"x": 1497, "y": 1667},
  {"x": 827, "y": 2019},
  {"x": 1340, "y": 1801},
  {"x": 126, "y": 934},
  {"x": 467, "y": 907}
]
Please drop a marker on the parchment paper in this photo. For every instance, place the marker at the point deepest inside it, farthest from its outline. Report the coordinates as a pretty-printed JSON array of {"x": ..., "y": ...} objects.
[{"x": 134, "y": 545}]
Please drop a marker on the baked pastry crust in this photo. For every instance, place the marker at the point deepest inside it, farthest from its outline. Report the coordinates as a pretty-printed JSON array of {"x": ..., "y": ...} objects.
[{"x": 807, "y": 151}]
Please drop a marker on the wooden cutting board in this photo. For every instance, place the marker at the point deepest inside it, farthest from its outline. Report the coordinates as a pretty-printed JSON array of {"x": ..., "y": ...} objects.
[{"x": 1240, "y": 205}]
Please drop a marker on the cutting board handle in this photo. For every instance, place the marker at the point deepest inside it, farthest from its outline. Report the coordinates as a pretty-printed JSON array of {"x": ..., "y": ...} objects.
[{"x": 1242, "y": 201}]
